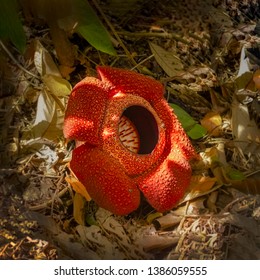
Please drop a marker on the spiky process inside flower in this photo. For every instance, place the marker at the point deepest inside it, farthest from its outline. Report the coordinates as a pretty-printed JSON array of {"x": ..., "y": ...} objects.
[{"x": 130, "y": 142}]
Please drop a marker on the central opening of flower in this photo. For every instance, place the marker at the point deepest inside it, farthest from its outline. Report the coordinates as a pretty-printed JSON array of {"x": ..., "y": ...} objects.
[{"x": 138, "y": 130}]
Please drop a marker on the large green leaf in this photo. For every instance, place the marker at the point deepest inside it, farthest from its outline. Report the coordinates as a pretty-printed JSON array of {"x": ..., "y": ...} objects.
[
  {"x": 90, "y": 27},
  {"x": 10, "y": 25},
  {"x": 193, "y": 129}
]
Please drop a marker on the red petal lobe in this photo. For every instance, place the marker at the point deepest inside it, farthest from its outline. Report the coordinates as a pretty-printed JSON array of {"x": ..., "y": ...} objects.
[
  {"x": 105, "y": 180},
  {"x": 85, "y": 111},
  {"x": 131, "y": 82}
]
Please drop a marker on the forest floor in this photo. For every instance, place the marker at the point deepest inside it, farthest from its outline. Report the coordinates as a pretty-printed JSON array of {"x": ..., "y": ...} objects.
[{"x": 207, "y": 55}]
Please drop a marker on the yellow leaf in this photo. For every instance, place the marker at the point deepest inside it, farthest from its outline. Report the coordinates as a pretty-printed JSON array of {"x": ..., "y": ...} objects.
[
  {"x": 78, "y": 209},
  {"x": 77, "y": 186},
  {"x": 199, "y": 186},
  {"x": 256, "y": 78},
  {"x": 201, "y": 183},
  {"x": 153, "y": 216},
  {"x": 212, "y": 122},
  {"x": 57, "y": 85}
]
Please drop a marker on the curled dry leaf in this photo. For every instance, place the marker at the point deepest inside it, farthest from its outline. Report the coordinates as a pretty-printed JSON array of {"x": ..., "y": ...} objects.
[
  {"x": 49, "y": 119},
  {"x": 78, "y": 187},
  {"x": 199, "y": 186},
  {"x": 245, "y": 131},
  {"x": 212, "y": 122},
  {"x": 44, "y": 62}
]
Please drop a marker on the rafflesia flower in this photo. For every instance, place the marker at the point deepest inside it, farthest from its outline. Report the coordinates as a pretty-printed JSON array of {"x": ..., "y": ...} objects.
[{"x": 128, "y": 142}]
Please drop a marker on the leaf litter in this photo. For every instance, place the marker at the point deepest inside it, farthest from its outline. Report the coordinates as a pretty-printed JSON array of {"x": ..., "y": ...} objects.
[{"x": 43, "y": 212}]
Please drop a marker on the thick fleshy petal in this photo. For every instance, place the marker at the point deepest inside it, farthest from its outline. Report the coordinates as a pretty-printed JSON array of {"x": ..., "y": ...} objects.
[
  {"x": 174, "y": 131},
  {"x": 166, "y": 185},
  {"x": 85, "y": 111},
  {"x": 105, "y": 180},
  {"x": 130, "y": 82}
]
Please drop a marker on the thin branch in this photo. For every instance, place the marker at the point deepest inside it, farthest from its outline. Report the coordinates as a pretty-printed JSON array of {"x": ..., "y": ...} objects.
[
  {"x": 155, "y": 34},
  {"x": 16, "y": 62},
  {"x": 114, "y": 32}
]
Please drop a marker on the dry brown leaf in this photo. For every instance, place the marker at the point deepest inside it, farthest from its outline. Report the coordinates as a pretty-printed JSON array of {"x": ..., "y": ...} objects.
[
  {"x": 64, "y": 48},
  {"x": 250, "y": 185},
  {"x": 93, "y": 237},
  {"x": 44, "y": 62},
  {"x": 66, "y": 242},
  {"x": 244, "y": 130},
  {"x": 158, "y": 242},
  {"x": 211, "y": 202},
  {"x": 167, "y": 221},
  {"x": 218, "y": 173},
  {"x": 169, "y": 61},
  {"x": 49, "y": 118},
  {"x": 59, "y": 17}
]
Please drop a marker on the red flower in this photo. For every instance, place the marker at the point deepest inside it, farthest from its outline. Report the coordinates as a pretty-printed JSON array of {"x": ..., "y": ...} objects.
[{"x": 129, "y": 140}]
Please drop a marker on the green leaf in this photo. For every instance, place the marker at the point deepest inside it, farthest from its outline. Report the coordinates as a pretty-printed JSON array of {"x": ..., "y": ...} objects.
[
  {"x": 234, "y": 174},
  {"x": 197, "y": 132},
  {"x": 193, "y": 129},
  {"x": 90, "y": 27},
  {"x": 10, "y": 24}
]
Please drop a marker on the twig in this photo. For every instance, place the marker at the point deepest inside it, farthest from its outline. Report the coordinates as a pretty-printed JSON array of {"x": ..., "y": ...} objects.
[
  {"x": 154, "y": 34},
  {"x": 143, "y": 61},
  {"x": 114, "y": 32},
  {"x": 16, "y": 62},
  {"x": 49, "y": 202}
]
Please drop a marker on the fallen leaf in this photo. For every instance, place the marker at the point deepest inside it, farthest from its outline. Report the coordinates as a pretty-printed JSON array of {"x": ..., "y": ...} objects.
[
  {"x": 256, "y": 78},
  {"x": 78, "y": 208},
  {"x": 64, "y": 48},
  {"x": 193, "y": 129},
  {"x": 244, "y": 129},
  {"x": 199, "y": 186},
  {"x": 201, "y": 183},
  {"x": 212, "y": 122},
  {"x": 153, "y": 216},
  {"x": 211, "y": 202},
  {"x": 57, "y": 85},
  {"x": 249, "y": 185},
  {"x": 168, "y": 60},
  {"x": 44, "y": 62},
  {"x": 78, "y": 187},
  {"x": 49, "y": 118}
]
